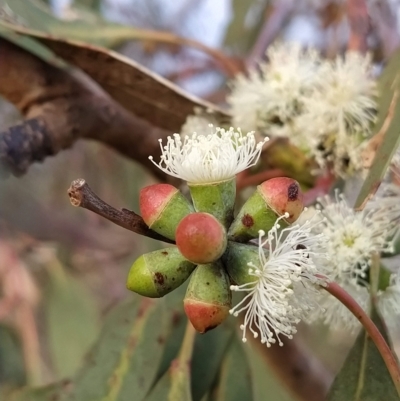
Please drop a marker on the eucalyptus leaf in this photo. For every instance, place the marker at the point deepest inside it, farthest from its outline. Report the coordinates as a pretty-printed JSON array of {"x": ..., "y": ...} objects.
[
  {"x": 125, "y": 360},
  {"x": 364, "y": 376},
  {"x": 235, "y": 380},
  {"x": 12, "y": 369},
  {"x": 32, "y": 46},
  {"x": 52, "y": 392},
  {"x": 139, "y": 90},
  {"x": 84, "y": 24},
  {"x": 72, "y": 322},
  {"x": 387, "y": 127},
  {"x": 209, "y": 350}
]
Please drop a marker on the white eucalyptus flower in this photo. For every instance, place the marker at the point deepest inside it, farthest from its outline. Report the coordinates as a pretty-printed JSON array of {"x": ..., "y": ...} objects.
[
  {"x": 206, "y": 159},
  {"x": 352, "y": 237},
  {"x": 341, "y": 112},
  {"x": 271, "y": 305},
  {"x": 326, "y": 108},
  {"x": 331, "y": 312},
  {"x": 246, "y": 100},
  {"x": 345, "y": 101},
  {"x": 386, "y": 205},
  {"x": 198, "y": 122},
  {"x": 273, "y": 97}
]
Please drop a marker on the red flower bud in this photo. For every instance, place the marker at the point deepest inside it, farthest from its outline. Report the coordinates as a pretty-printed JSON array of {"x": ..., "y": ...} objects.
[
  {"x": 208, "y": 297},
  {"x": 201, "y": 238},
  {"x": 162, "y": 207}
]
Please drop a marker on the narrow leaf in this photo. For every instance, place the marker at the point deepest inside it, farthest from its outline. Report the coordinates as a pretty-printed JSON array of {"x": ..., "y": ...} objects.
[
  {"x": 58, "y": 391},
  {"x": 364, "y": 376},
  {"x": 125, "y": 360},
  {"x": 138, "y": 89},
  {"x": 72, "y": 322},
  {"x": 235, "y": 382},
  {"x": 209, "y": 350},
  {"x": 387, "y": 130},
  {"x": 87, "y": 24}
]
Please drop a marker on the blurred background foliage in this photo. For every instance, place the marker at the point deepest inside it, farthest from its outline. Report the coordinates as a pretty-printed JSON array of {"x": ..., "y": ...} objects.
[{"x": 63, "y": 269}]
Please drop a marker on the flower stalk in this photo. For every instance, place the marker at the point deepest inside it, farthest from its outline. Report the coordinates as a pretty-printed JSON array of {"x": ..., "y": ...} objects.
[{"x": 369, "y": 326}]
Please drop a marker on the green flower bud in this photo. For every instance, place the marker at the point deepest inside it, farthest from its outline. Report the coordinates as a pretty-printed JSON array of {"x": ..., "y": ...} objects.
[
  {"x": 217, "y": 199},
  {"x": 273, "y": 198},
  {"x": 162, "y": 207},
  {"x": 201, "y": 238},
  {"x": 157, "y": 273},
  {"x": 236, "y": 259},
  {"x": 208, "y": 297}
]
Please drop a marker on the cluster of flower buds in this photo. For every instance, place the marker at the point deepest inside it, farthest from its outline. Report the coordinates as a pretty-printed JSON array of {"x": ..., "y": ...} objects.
[{"x": 211, "y": 246}]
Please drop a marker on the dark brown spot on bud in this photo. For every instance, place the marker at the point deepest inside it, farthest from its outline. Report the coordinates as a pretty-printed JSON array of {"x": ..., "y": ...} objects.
[
  {"x": 164, "y": 252},
  {"x": 293, "y": 191},
  {"x": 158, "y": 278},
  {"x": 247, "y": 220}
]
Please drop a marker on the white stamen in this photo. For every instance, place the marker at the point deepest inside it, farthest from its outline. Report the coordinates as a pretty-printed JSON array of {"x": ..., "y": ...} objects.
[{"x": 202, "y": 159}]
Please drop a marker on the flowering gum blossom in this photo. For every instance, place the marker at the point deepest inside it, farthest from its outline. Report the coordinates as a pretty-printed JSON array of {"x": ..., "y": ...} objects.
[{"x": 201, "y": 238}]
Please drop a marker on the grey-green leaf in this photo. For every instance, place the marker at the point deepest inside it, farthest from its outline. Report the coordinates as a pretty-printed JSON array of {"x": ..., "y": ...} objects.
[
  {"x": 126, "y": 358},
  {"x": 72, "y": 322},
  {"x": 235, "y": 382},
  {"x": 364, "y": 376},
  {"x": 388, "y": 124},
  {"x": 208, "y": 352}
]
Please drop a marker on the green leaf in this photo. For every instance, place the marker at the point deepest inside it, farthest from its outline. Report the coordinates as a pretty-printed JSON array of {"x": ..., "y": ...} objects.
[
  {"x": 32, "y": 46},
  {"x": 364, "y": 376},
  {"x": 160, "y": 391},
  {"x": 234, "y": 382},
  {"x": 126, "y": 358},
  {"x": 266, "y": 385},
  {"x": 209, "y": 350},
  {"x": 72, "y": 321},
  {"x": 388, "y": 125},
  {"x": 12, "y": 369},
  {"x": 86, "y": 25},
  {"x": 51, "y": 392},
  {"x": 208, "y": 353}
]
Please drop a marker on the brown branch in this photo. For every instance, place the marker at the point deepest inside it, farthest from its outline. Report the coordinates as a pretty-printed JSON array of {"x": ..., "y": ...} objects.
[
  {"x": 81, "y": 195},
  {"x": 61, "y": 106},
  {"x": 275, "y": 19},
  {"x": 357, "y": 14}
]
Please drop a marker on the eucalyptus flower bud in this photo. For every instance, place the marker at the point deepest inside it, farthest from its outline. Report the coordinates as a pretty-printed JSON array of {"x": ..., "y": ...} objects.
[
  {"x": 217, "y": 199},
  {"x": 236, "y": 260},
  {"x": 162, "y": 207},
  {"x": 208, "y": 297},
  {"x": 201, "y": 238},
  {"x": 273, "y": 198},
  {"x": 157, "y": 273}
]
